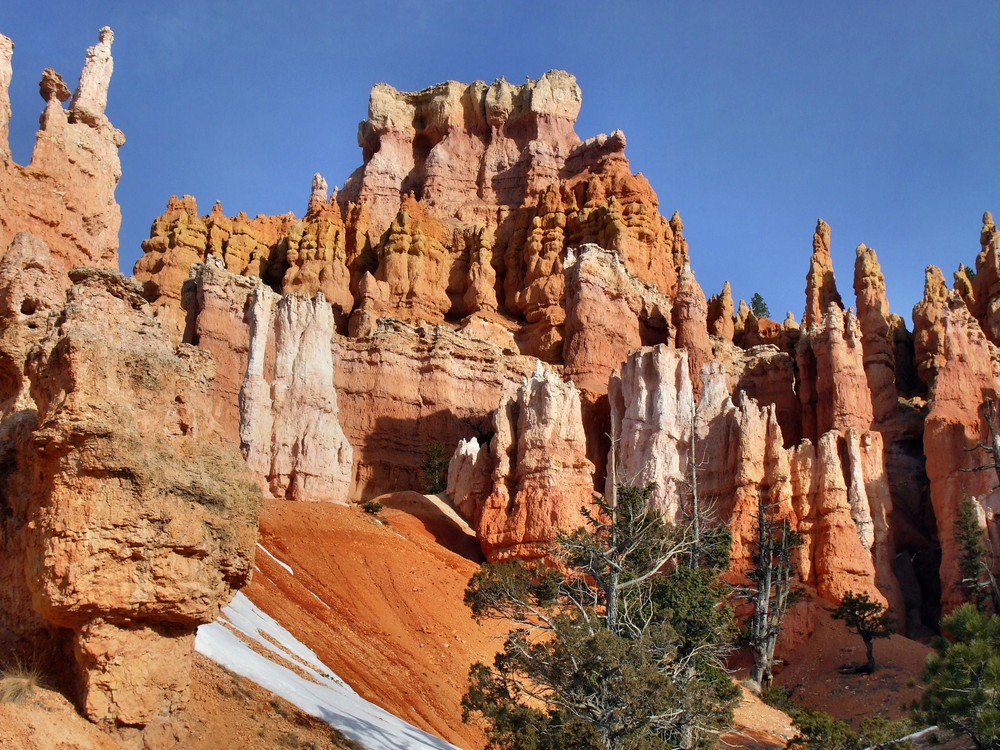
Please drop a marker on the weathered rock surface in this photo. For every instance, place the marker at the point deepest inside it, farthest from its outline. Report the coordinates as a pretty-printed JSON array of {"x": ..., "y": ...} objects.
[
  {"x": 469, "y": 476},
  {"x": 136, "y": 522},
  {"x": 609, "y": 313},
  {"x": 837, "y": 495},
  {"x": 65, "y": 196},
  {"x": 289, "y": 426},
  {"x": 962, "y": 361},
  {"x": 481, "y": 233},
  {"x": 878, "y": 333},
  {"x": 652, "y": 413},
  {"x": 463, "y": 213},
  {"x": 833, "y": 387},
  {"x": 542, "y": 477},
  {"x": 403, "y": 388},
  {"x": 821, "y": 286}
]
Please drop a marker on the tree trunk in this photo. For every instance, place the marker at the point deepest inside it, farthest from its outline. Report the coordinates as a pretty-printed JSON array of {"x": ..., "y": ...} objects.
[{"x": 869, "y": 647}]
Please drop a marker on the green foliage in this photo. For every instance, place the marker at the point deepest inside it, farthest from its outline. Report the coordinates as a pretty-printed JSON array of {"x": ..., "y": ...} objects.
[
  {"x": 435, "y": 469},
  {"x": 821, "y": 731},
  {"x": 963, "y": 677},
  {"x": 372, "y": 507},
  {"x": 866, "y": 618},
  {"x": 759, "y": 306},
  {"x": 973, "y": 559},
  {"x": 618, "y": 645}
]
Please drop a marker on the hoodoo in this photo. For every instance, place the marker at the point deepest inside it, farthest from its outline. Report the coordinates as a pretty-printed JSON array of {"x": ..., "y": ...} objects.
[{"x": 487, "y": 286}]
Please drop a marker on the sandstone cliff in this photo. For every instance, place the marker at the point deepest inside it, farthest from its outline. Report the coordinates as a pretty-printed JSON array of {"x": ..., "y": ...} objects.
[
  {"x": 541, "y": 475},
  {"x": 289, "y": 425}
]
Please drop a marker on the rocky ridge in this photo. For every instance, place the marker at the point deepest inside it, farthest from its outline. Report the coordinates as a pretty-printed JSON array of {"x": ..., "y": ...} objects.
[
  {"x": 488, "y": 280},
  {"x": 480, "y": 219}
]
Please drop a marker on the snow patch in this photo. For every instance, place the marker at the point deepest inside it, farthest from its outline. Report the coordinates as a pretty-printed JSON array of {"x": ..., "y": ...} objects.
[
  {"x": 286, "y": 566},
  {"x": 321, "y": 693}
]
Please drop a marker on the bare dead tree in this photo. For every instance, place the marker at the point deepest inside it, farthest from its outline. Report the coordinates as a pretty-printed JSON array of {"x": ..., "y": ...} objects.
[{"x": 772, "y": 588}]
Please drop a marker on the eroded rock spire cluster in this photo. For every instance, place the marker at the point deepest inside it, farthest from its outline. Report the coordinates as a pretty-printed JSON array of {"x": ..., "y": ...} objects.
[{"x": 486, "y": 280}]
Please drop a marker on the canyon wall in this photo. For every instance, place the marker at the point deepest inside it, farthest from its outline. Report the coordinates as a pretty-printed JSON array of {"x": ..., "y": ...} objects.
[{"x": 480, "y": 237}]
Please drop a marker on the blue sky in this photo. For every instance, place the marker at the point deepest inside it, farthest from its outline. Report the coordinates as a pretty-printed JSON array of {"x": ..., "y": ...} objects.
[{"x": 751, "y": 119}]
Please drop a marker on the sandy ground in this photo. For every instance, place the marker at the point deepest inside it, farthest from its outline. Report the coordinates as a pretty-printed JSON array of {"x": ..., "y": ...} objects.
[
  {"x": 812, "y": 676},
  {"x": 225, "y": 711}
]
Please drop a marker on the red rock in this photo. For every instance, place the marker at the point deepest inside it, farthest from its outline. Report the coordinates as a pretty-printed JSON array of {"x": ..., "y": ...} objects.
[
  {"x": 65, "y": 196},
  {"x": 929, "y": 325},
  {"x": 137, "y": 521},
  {"x": 542, "y": 477},
  {"x": 821, "y": 286},
  {"x": 720, "y": 314},
  {"x": 965, "y": 377},
  {"x": 833, "y": 386},
  {"x": 878, "y": 327},
  {"x": 690, "y": 316}
]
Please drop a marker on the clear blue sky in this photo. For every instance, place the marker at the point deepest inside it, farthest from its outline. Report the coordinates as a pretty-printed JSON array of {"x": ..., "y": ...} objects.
[{"x": 752, "y": 119}]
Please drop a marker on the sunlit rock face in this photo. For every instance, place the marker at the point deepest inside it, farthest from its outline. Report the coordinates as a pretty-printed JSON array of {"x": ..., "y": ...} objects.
[
  {"x": 481, "y": 235},
  {"x": 542, "y": 477},
  {"x": 66, "y": 195},
  {"x": 130, "y": 519},
  {"x": 733, "y": 453},
  {"x": 289, "y": 425}
]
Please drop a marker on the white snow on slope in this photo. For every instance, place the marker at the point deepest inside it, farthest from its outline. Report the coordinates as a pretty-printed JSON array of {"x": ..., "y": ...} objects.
[
  {"x": 323, "y": 694},
  {"x": 267, "y": 552}
]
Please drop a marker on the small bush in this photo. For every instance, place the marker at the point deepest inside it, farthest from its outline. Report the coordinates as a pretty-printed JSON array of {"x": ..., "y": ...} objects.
[
  {"x": 18, "y": 684},
  {"x": 778, "y": 697},
  {"x": 280, "y": 709},
  {"x": 343, "y": 741},
  {"x": 824, "y": 732},
  {"x": 372, "y": 507}
]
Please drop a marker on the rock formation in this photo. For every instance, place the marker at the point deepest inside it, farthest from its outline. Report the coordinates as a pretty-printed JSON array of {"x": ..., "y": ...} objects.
[
  {"x": 821, "y": 287},
  {"x": 878, "y": 327},
  {"x": 955, "y": 352},
  {"x": 480, "y": 241},
  {"x": 463, "y": 148},
  {"x": 65, "y": 196},
  {"x": 542, "y": 477},
  {"x": 289, "y": 425},
  {"x": 129, "y": 520},
  {"x": 836, "y": 492},
  {"x": 652, "y": 413},
  {"x": 469, "y": 476}
]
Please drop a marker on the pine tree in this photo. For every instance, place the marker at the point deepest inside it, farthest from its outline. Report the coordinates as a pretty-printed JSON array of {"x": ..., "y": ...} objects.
[
  {"x": 435, "y": 469},
  {"x": 973, "y": 560},
  {"x": 617, "y": 645},
  {"x": 963, "y": 677},
  {"x": 759, "y": 306},
  {"x": 866, "y": 618}
]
